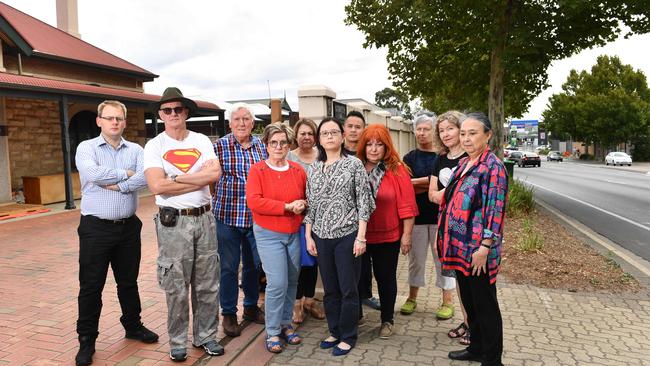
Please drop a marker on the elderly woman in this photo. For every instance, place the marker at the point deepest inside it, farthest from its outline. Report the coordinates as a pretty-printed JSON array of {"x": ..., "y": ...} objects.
[
  {"x": 391, "y": 224},
  {"x": 275, "y": 193},
  {"x": 470, "y": 229},
  {"x": 305, "y": 155},
  {"x": 447, "y": 137},
  {"x": 340, "y": 204},
  {"x": 420, "y": 161}
]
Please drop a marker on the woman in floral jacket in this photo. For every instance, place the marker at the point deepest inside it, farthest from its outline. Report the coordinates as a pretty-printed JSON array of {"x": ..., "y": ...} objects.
[{"x": 470, "y": 229}]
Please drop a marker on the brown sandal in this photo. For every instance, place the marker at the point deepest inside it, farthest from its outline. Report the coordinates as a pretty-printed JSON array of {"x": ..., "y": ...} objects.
[
  {"x": 314, "y": 309},
  {"x": 298, "y": 313}
]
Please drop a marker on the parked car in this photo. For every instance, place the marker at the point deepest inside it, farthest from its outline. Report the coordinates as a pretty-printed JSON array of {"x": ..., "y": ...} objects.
[
  {"x": 507, "y": 151},
  {"x": 618, "y": 158},
  {"x": 554, "y": 156},
  {"x": 524, "y": 158}
]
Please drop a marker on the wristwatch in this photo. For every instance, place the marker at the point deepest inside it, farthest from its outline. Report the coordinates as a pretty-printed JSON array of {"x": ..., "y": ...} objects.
[{"x": 173, "y": 177}]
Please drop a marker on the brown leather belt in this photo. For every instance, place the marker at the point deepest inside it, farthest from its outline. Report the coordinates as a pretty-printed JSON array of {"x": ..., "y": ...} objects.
[{"x": 194, "y": 211}]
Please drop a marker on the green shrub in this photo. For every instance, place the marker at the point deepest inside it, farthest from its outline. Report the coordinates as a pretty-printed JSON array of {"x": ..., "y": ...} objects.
[
  {"x": 532, "y": 240},
  {"x": 543, "y": 151},
  {"x": 520, "y": 199},
  {"x": 586, "y": 157}
]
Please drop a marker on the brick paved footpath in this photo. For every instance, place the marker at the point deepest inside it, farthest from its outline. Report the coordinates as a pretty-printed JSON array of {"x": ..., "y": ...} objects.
[{"x": 38, "y": 309}]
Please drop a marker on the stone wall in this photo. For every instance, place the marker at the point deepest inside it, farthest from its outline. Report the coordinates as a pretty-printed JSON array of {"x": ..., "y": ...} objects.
[{"x": 34, "y": 136}]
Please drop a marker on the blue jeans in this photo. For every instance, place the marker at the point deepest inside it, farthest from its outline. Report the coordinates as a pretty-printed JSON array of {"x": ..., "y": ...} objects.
[
  {"x": 280, "y": 254},
  {"x": 233, "y": 243}
]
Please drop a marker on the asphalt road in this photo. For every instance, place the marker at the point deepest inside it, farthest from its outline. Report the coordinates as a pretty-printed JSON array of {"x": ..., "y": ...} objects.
[{"x": 612, "y": 202}]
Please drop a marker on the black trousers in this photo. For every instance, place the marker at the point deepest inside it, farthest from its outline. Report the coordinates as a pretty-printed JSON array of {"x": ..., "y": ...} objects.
[
  {"x": 102, "y": 243},
  {"x": 339, "y": 270},
  {"x": 483, "y": 315},
  {"x": 365, "y": 280},
  {"x": 384, "y": 257},
  {"x": 307, "y": 282}
]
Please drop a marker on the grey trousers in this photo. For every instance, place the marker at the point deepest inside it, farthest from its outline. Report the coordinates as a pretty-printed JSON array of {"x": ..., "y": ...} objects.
[{"x": 187, "y": 257}]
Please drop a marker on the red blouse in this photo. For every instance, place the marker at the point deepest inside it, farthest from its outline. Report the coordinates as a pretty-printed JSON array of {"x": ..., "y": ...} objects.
[
  {"x": 267, "y": 191},
  {"x": 395, "y": 202}
]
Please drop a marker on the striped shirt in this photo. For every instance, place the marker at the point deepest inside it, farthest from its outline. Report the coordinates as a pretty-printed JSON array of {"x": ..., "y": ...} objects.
[
  {"x": 99, "y": 165},
  {"x": 229, "y": 201}
]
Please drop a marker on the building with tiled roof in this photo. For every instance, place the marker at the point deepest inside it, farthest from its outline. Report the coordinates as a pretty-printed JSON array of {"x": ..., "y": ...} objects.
[{"x": 51, "y": 82}]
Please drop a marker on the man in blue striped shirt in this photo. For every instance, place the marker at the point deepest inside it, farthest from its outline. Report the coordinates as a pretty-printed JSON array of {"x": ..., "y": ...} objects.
[{"x": 111, "y": 173}]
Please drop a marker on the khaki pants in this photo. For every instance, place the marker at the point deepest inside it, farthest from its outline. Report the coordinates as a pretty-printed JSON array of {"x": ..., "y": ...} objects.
[{"x": 187, "y": 258}]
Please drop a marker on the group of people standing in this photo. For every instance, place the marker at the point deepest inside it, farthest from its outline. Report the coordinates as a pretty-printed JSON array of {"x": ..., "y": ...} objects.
[{"x": 319, "y": 208}]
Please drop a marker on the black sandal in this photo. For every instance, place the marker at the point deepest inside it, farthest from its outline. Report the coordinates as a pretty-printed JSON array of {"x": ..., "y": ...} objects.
[{"x": 459, "y": 331}]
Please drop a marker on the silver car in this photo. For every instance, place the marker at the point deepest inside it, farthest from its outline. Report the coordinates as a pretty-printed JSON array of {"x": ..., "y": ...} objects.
[{"x": 618, "y": 158}]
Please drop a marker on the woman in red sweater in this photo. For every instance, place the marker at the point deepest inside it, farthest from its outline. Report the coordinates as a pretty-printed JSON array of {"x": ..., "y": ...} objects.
[
  {"x": 275, "y": 193},
  {"x": 391, "y": 224}
]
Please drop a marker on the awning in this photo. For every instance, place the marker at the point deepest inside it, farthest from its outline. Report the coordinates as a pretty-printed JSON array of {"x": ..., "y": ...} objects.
[{"x": 56, "y": 87}]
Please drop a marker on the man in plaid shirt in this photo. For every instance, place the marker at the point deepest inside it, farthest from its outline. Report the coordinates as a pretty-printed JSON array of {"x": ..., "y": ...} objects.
[{"x": 237, "y": 152}]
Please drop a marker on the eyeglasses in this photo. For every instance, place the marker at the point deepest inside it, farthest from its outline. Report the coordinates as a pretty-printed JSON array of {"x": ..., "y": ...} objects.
[
  {"x": 332, "y": 133},
  {"x": 275, "y": 144},
  {"x": 168, "y": 111},
  {"x": 112, "y": 118}
]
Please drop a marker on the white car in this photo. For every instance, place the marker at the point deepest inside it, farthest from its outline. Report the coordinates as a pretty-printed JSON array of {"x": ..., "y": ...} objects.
[{"x": 618, "y": 158}]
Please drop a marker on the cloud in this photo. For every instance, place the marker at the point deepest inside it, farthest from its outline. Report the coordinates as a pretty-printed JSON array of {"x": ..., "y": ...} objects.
[{"x": 239, "y": 49}]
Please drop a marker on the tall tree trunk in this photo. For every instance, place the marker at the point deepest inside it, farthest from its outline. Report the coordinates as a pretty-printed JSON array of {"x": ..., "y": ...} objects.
[{"x": 496, "y": 110}]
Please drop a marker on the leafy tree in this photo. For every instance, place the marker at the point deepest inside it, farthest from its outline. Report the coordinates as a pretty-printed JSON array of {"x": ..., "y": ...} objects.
[
  {"x": 488, "y": 55},
  {"x": 607, "y": 106},
  {"x": 392, "y": 98}
]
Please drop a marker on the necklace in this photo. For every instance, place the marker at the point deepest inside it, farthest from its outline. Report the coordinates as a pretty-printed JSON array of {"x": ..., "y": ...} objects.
[{"x": 454, "y": 156}]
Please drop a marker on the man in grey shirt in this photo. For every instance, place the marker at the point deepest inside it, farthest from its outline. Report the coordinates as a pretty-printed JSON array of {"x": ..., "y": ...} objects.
[{"x": 111, "y": 173}]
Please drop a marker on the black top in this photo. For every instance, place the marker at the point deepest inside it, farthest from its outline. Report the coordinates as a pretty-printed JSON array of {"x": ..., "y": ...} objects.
[
  {"x": 421, "y": 163},
  {"x": 442, "y": 168}
]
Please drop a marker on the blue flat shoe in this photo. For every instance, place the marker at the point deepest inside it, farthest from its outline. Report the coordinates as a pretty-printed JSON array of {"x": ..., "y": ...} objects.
[
  {"x": 328, "y": 344},
  {"x": 290, "y": 338},
  {"x": 340, "y": 351}
]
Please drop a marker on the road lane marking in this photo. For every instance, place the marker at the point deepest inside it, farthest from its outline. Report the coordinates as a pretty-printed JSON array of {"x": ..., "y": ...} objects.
[
  {"x": 611, "y": 246},
  {"x": 638, "y": 224},
  {"x": 614, "y": 182}
]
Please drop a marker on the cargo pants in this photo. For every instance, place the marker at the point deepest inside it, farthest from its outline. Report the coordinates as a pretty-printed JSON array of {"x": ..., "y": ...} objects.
[{"x": 188, "y": 260}]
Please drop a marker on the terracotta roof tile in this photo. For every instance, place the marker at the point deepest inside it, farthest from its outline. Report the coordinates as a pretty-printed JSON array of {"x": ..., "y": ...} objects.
[{"x": 49, "y": 41}]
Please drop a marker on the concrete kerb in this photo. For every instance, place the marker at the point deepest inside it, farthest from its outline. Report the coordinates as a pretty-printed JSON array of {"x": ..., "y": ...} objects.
[{"x": 629, "y": 262}]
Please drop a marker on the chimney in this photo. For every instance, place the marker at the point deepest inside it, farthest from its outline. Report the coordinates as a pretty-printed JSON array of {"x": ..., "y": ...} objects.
[
  {"x": 276, "y": 110},
  {"x": 67, "y": 18}
]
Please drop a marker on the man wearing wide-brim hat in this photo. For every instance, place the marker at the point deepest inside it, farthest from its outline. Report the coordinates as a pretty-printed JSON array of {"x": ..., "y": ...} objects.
[{"x": 179, "y": 166}]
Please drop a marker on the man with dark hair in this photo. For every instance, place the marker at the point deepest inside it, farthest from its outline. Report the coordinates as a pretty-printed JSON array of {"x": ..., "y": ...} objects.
[
  {"x": 179, "y": 165},
  {"x": 353, "y": 127},
  {"x": 111, "y": 173}
]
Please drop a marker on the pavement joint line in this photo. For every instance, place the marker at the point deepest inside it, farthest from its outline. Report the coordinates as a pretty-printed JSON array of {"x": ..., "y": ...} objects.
[
  {"x": 611, "y": 246},
  {"x": 592, "y": 206}
]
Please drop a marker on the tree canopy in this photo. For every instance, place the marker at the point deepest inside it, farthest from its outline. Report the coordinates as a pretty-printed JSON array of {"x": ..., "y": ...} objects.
[
  {"x": 487, "y": 55},
  {"x": 607, "y": 106},
  {"x": 392, "y": 98}
]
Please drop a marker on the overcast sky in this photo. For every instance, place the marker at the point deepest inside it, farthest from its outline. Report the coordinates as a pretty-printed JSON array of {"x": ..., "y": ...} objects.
[{"x": 235, "y": 49}]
